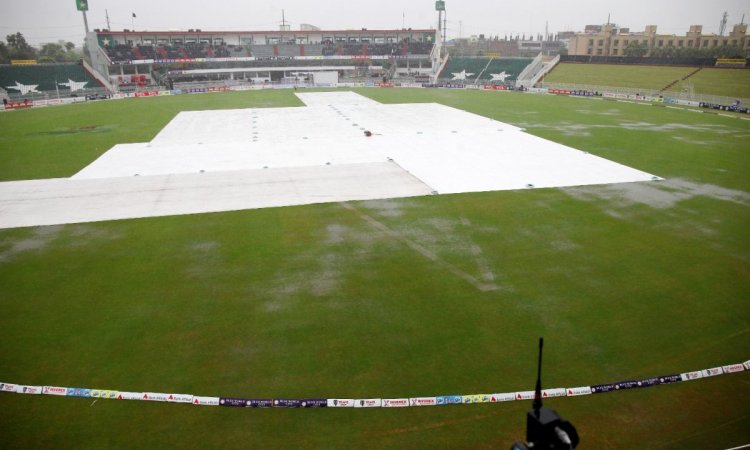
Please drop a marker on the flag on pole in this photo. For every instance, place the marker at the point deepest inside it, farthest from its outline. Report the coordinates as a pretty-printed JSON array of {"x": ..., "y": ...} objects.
[{"x": 134, "y": 15}]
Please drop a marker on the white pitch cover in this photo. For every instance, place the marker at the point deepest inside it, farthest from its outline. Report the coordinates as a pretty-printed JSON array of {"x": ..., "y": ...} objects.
[{"x": 226, "y": 160}]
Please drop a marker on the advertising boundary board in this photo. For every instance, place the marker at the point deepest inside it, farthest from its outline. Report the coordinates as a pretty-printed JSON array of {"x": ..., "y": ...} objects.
[
  {"x": 618, "y": 97},
  {"x": 364, "y": 403}
]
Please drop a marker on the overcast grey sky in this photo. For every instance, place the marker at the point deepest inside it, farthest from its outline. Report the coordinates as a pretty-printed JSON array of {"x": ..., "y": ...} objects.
[{"x": 50, "y": 20}]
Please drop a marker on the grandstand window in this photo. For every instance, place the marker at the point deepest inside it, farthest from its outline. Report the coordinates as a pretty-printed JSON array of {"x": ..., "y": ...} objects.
[
  {"x": 617, "y": 42},
  {"x": 716, "y": 42},
  {"x": 589, "y": 51},
  {"x": 614, "y": 52},
  {"x": 391, "y": 39},
  {"x": 734, "y": 42},
  {"x": 661, "y": 43},
  {"x": 625, "y": 43},
  {"x": 177, "y": 41},
  {"x": 725, "y": 42},
  {"x": 601, "y": 42},
  {"x": 246, "y": 40},
  {"x": 148, "y": 42},
  {"x": 205, "y": 41},
  {"x": 599, "y": 51},
  {"x": 591, "y": 42},
  {"x": 379, "y": 40},
  {"x": 680, "y": 43},
  {"x": 218, "y": 41},
  {"x": 670, "y": 43},
  {"x": 705, "y": 43},
  {"x": 690, "y": 43},
  {"x": 163, "y": 41},
  {"x": 340, "y": 39}
]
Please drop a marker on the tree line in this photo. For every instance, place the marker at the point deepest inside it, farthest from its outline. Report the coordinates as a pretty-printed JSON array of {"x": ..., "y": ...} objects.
[
  {"x": 15, "y": 47},
  {"x": 640, "y": 49}
]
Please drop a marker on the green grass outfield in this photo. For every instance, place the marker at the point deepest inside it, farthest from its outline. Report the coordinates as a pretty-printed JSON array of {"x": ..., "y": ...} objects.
[
  {"x": 709, "y": 81},
  {"x": 625, "y": 281}
]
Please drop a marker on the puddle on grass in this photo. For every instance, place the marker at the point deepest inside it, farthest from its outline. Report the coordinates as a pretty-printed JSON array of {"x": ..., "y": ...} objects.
[{"x": 85, "y": 129}]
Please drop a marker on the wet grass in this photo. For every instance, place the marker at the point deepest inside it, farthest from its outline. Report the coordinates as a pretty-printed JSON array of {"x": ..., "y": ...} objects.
[{"x": 314, "y": 301}]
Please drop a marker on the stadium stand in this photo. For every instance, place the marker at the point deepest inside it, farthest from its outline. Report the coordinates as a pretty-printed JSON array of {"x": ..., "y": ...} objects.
[
  {"x": 65, "y": 78},
  {"x": 263, "y": 51},
  {"x": 169, "y": 58},
  {"x": 482, "y": 68},
  {"x": 125, "y": 54}
]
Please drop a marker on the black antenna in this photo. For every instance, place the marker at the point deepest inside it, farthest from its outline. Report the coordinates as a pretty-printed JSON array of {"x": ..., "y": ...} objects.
[
  {"x": 545, "y": 429},
  {"x": 537, "y": 405}
]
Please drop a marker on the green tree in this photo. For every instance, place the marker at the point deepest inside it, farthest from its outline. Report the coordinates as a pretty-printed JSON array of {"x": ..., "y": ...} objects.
[
  {"x": 52, "y": 53},
  {"x": 636, "y": 49},
  {"x": 18, "y": 48},
  {"x": 4, "y": 53},
  {"x": 69, "y": 46}
]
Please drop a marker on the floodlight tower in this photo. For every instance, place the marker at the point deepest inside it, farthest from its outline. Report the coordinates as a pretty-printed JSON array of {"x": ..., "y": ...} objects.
[
  {"x": 723, "y": 23},
  {"x": 83, "y": 6},
  {"x": 440, "y": 8}
]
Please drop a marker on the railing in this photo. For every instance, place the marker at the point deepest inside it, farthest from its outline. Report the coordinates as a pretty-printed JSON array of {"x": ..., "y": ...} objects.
[
  {"x": 706, "y": 98},
  {"x": 546, "y": 68},
  {"x": 101, "y": 79},
  {"x": 531, "y": 68},
  {"x": 476, "y": 80},
  {"x": 440, "y": 69}
]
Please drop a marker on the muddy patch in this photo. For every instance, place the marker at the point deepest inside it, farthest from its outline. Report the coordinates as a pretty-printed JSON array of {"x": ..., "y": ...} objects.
[{"x": 85, "y": 129}]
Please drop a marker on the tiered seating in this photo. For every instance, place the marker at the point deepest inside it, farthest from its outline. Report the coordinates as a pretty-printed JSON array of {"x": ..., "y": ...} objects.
[
  {"x": 470, "y": 65},
  {"x": 385, "y": 49},
  {"x": 288, "y": 50},
  {"x": 511, "y": 66},
  {"x": 123, "y": 53},
  {"x": 419, "y": 48},
  {"x": 476, "y": 66},
  {"x": 120, "y": 53},
  {"x": 45, "y": 76},
  {"x": 263, "y": 51},
  {"x": 147, "y": 52},
  {"x": 194, "y": 50},
  {"x": 313, "y": 50}
]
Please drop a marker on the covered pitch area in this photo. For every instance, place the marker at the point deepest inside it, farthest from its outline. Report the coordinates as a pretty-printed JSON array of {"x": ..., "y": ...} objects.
[{"x": 341, "y": 146}]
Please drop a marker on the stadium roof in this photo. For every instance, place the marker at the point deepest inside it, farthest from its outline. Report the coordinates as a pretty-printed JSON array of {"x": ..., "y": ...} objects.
[{"x": 202, "y": 32}]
